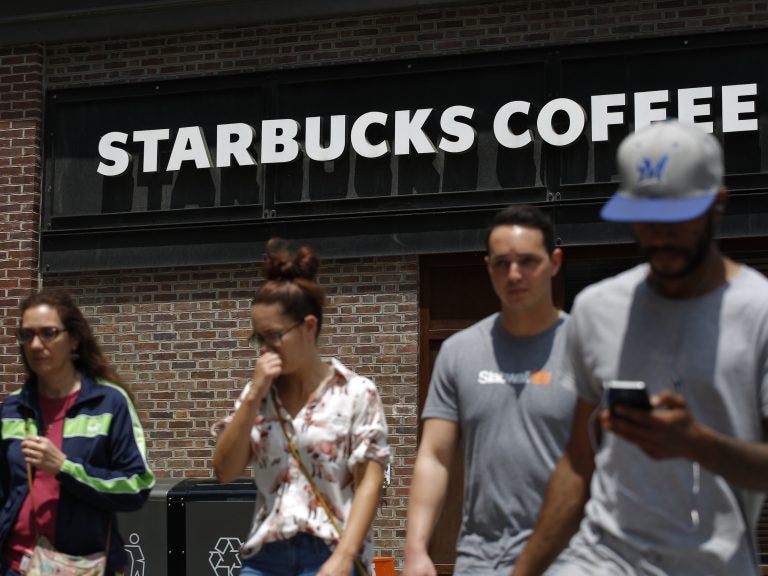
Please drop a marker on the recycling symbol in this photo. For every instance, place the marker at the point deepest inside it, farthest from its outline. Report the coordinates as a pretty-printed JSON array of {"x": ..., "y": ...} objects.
[{"x": 224, "y": 558}]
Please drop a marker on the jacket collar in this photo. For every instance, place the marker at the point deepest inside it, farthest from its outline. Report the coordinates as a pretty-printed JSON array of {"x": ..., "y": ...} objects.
[{"x": 89, "y": 389}]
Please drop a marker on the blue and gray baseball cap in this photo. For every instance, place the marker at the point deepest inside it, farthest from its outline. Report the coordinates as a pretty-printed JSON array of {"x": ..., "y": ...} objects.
[{"x": 669, "y": 172}]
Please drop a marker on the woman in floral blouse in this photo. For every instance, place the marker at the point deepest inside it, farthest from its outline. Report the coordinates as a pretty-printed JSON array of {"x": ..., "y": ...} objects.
[{"x": 335, "y": 420}]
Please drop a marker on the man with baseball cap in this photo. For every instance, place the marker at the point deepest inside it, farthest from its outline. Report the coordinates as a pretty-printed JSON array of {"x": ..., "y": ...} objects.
[{"x": 677, "y": 489}]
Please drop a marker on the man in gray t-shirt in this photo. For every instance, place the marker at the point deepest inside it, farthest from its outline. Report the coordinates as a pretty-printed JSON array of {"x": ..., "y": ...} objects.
[
  {"x": 495, "y": 386},
  {"x": 676, "y": 488}
]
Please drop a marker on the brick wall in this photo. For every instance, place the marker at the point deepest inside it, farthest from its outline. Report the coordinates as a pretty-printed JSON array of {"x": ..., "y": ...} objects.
[
  {"x": 21, "y": 105},
  {"x": 178, "y": 333},
  {"x": 397, "y": 35}
]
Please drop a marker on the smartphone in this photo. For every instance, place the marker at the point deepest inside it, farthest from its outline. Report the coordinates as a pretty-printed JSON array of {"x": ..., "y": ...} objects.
[{"x": 631, "y": 393}]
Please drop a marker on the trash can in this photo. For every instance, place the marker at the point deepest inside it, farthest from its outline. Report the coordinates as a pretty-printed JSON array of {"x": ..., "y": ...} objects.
[
  {"x": 145, "y": 533},
  {"x": 208, "y": 522}
]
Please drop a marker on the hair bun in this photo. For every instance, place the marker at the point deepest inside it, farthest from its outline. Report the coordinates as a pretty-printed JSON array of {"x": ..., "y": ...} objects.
[{"x": 282, "y": 263}]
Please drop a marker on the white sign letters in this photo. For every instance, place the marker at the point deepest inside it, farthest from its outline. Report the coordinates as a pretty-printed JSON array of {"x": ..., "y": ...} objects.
[{"x": 284, "y": 139}]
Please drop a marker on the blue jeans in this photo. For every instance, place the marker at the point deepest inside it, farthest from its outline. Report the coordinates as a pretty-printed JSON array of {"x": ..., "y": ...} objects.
[
  {"x": 302, "y": 555},
  {"x": 6, "y": 571}
]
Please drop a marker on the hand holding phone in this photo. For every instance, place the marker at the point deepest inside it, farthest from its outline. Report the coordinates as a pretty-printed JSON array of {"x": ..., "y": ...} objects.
[{"x": 630, "y": 393}]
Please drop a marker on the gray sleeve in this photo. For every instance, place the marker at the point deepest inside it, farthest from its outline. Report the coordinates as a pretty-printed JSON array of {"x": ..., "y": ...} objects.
[
  {"x": 576, "y": 372},
  {"x": 764, "y": 388},
  {"x": 761, "y": 340},
  {"x": 442, "y": 398}
]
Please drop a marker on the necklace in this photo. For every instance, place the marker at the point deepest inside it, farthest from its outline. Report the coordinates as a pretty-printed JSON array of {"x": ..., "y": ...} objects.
[{"x": 691, "y": 304}]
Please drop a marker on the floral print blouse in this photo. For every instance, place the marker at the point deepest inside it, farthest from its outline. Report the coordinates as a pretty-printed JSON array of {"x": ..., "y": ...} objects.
[{"x": 342, "y": 424}]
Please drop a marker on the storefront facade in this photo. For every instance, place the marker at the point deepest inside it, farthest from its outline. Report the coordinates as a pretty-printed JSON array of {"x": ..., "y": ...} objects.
[{"x": 145, "y": 171}]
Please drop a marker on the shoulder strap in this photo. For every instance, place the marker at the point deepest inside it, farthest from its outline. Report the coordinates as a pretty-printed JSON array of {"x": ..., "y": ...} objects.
[
  {"x": 29, "y": 482},
  {"x": 308, "y": 476}
]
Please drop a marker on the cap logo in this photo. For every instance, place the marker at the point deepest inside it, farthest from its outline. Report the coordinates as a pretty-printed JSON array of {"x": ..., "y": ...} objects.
[
  {"x": 650, "y": 173},
  {"x": 668, "y": 172}
]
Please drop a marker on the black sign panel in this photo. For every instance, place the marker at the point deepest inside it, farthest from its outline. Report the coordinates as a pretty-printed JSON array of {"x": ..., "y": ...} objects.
[
  {"x": 77, "y": 189},
  {"x": 382, "y": 158},
  {"x": 662, "y": 72}
]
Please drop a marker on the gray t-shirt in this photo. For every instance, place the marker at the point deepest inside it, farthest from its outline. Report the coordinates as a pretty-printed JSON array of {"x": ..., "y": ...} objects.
[
  {"x": 712, "y": 349},
  {"x": 514, "y": 418}
]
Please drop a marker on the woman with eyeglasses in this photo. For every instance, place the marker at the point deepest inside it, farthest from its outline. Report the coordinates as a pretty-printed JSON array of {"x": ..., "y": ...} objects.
[
  {"x": 313, "y": 430},
  {"x": 73, "y": 426}
]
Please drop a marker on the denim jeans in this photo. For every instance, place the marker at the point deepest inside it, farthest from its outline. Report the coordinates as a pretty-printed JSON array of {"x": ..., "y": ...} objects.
[
  {"x": 302, "y": 555},
  {"x": 6, "y": 571}
]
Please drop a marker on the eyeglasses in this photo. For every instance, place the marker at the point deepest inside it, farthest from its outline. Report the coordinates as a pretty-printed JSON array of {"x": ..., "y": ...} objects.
[
  {"x": 46, "y": 334},
  {"x": 271, "y": 339}
]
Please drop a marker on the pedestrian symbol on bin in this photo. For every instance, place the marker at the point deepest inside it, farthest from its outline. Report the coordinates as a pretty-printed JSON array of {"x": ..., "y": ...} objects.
[
  {"x": 136, "y": 556},
  {"x": 224, "y": 558}
]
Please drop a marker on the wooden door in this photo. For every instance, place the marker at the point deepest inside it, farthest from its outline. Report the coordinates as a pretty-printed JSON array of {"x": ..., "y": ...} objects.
[{"x": 455, "y": 293}]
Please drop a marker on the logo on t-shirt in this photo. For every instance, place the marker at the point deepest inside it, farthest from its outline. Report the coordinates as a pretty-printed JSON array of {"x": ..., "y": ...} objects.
[{"x": 514, "y": 378}]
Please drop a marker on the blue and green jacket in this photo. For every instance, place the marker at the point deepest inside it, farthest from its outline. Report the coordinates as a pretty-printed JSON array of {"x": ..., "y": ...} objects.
[{"x": 105, "y": 472}]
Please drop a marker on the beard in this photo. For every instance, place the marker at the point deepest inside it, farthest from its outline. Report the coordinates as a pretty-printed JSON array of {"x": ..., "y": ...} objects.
[{"x": 693, "y": 257}]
